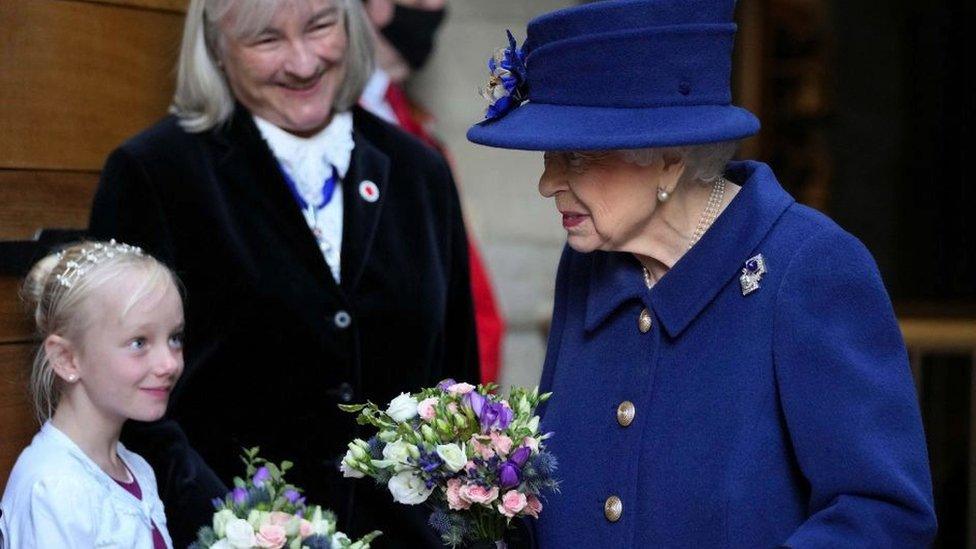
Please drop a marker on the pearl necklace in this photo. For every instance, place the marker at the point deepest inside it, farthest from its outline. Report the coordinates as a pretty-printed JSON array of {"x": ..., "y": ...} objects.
[{"x": 715, "y": 199}]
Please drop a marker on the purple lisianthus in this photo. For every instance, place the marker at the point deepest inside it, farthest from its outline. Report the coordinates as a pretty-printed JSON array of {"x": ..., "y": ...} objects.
[
  {"x": 497, "y": 415},
  {"x": 260, "y": 476},
  {"x": 520, "y": 456},
  {"x": 239, "y": 495},
  {"x": 509, "y": 475},
  {"x": 476, "y": 401},
  {"x": 490, "y": 414},
  {"x": 292, "y": 496},
  {"x": 443, "y": 385},
  {"x": 510, "y": 472}
]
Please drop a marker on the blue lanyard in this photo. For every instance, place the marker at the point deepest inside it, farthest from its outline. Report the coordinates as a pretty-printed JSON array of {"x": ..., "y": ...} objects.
[{"x": 328, "y": 189}]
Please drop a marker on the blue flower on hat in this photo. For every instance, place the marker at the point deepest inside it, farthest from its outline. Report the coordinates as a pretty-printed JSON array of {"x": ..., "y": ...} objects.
[{"x": 507, "y": 84}]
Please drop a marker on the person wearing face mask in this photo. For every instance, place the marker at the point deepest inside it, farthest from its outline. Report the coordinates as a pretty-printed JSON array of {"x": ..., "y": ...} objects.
[
  {"x": 323, "y": 250},
  {"x": 403, "y": 32}
]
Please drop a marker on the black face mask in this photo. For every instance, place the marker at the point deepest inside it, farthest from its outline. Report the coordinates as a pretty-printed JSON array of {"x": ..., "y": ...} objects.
[{"x": 411, "y": 31}]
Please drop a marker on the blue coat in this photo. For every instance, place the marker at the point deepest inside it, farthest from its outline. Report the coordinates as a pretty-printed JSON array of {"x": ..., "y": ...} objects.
[{"x": 786, "y": 417}]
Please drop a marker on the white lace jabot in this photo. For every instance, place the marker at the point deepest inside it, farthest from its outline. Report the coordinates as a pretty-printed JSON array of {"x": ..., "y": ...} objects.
[{"x": 309, "y": 161}]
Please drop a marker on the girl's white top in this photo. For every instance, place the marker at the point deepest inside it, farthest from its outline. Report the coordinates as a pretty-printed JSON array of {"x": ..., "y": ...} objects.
[{"x": 57, "y": 496}]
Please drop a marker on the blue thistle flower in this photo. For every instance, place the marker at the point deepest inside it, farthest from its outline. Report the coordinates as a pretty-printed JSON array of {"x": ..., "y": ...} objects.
[
  {"x": 544, "y": 463},
  {"x": 317, "y": 541},
  {"x": 375, "y": 448}
]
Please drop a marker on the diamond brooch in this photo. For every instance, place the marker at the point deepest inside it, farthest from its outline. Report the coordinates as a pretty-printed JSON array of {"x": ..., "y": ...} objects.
[{"x": 752, "y": 273}]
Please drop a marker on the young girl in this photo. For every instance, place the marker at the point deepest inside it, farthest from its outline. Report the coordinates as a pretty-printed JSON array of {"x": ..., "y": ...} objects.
[{"x": 111, "y": 319}]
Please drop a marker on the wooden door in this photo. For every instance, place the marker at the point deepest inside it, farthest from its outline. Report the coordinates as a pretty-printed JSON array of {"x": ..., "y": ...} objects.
[{"x": 76, "y": 79}]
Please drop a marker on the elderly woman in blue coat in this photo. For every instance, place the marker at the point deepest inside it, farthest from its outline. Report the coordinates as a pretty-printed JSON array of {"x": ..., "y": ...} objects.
[{"x": 726, "y": 367}]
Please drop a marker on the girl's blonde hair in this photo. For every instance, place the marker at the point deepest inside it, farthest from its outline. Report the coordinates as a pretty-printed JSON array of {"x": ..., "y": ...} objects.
[{"x": 56, "y": 289}]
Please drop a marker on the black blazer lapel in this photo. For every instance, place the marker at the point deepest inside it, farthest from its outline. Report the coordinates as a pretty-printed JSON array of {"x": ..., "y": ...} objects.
[
  {"x": 247, "y": 163},
  {"x": 360, "y": 215}
]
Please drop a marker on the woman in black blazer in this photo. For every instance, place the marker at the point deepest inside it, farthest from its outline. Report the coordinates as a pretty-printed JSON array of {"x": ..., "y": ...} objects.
[{"x": 281, "y": 327}]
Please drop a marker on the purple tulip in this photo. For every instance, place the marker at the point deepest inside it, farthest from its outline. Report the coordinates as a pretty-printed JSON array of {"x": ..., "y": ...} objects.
[
  {"x": 520, "y": 456},
  {"x": 291, "y": 495},
  {"x": 509, "y": 475},
  {"x": 443, "y": 385},
  {"x": 239, "y": 495},
  {"x": 260, "y": 476}
]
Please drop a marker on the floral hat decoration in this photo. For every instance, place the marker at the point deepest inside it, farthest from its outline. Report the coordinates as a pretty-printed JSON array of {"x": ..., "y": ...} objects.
[
  {"x": 618, "y": 74},
  {"x": 507, "y": 84}
]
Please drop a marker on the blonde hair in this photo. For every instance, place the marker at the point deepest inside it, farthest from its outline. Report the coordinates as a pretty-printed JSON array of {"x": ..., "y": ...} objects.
[
  {"x": 55, "y": 290},
  {"x": 203, "y": 98}
]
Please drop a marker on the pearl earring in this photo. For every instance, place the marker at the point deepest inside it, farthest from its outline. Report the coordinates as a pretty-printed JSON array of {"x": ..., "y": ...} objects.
[
  {"x": 72, "y": 377},
  {"x": 662, "y": 194}
]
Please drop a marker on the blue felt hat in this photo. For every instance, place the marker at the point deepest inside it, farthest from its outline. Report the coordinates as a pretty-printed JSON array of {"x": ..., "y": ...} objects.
[{"x": 621, "y": 74}]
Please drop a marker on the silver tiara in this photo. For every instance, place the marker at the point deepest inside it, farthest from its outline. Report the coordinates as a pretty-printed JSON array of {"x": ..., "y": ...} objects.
[{"x": 91, "y": 256}]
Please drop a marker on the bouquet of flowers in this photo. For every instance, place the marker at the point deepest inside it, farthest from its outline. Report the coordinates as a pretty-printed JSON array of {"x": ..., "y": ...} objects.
[
  {"x": 266, "y": 512},
  {"x": 477, "y": 458}
]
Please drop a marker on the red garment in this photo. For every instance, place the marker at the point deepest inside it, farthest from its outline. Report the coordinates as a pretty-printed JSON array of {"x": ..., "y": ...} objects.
[
  {"x": 488, "y": 319},
  {"x": 134, "y": 489}
]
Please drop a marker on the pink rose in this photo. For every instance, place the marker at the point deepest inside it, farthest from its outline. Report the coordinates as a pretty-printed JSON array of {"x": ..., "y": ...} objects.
[
  {"x": 533, "y": 506},
  {"x": 532, "y": 443},
  {"x": 454, "y": 500},
  {"x": 305, "y": 528},
  {"x": 272, "y": 536},
  {"x": 512, "y": 502},
  {"x": 427, "y": 408},
  {"x": 485, "y": 450},
  {"x": 460, "y": 388},
  {"x": 501, "y": 443},
  {"x": 473, "y": 493},
  {"x": 279, "y": 518}
]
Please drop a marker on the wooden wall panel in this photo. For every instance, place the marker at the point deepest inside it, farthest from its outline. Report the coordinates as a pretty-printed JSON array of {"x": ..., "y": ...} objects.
[
  {"x": 77, "y": 78},
  {"x": 178, "y": 6},
  {"x": 15, "y": 322},
  {"x": 18, "y": 424},
  {"x": 32, "y": 200}
]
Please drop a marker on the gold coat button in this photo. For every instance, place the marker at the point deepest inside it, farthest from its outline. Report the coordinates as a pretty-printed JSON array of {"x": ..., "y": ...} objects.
[
  {"x": 625, "y": 413},
  {"x": 613, "y": 508},
  {"x": 644, "y": 321}
]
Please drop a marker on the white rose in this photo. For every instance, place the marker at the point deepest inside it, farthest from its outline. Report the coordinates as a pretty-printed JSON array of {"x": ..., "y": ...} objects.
[
  {"x": 402, "y": 408},
  {"x": 408, "y": 488},
  {"x": 453, "y": 456},
  {"x": 220, "y": 520},
  {"x": 222, "y": 544},
  {"x": 240, "y": 534}
]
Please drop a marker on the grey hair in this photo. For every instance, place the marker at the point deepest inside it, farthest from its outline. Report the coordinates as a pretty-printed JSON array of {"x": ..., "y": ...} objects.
[
  {"x": 203, "y": 98},
  {"x": 705, "y": 162},
  {"x": 58, "y": 309}
]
